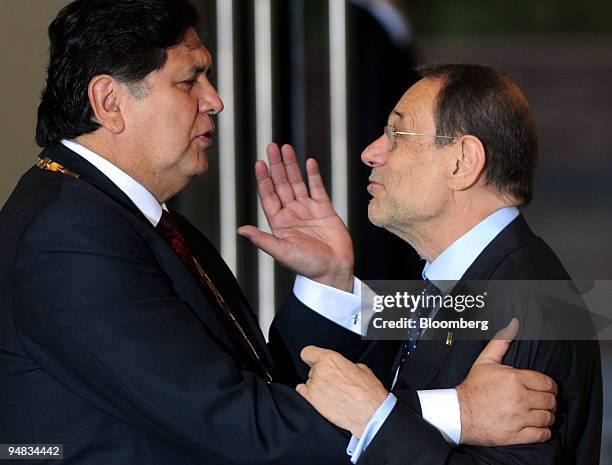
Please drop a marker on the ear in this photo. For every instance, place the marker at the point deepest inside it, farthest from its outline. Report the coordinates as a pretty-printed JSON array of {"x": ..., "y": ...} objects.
[
  {"x": 104, "y": 96},
  {"x": 468, "y": 163}
]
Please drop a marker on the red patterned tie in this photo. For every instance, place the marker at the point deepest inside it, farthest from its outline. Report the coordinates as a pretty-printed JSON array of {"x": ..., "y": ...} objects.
[{"x": 169, "y": 231}]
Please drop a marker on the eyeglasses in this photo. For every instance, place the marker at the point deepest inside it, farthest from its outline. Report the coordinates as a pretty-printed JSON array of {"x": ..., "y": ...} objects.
[{"x": 391, "y": 134}]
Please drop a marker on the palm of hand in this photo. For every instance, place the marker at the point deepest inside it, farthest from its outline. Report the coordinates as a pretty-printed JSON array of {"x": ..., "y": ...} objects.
[
  {"x": 315, "y": 241},
  {"x": 308, "y": 235}
]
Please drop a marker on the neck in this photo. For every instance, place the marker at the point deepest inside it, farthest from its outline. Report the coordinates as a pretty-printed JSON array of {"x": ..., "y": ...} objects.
[
  {"x": 434, "y": 235},
  {"x": 107, "y": 150}
]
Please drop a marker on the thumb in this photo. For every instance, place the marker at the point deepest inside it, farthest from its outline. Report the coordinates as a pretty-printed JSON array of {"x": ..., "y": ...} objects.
[
  {"x": 302, "y": 390},
  {"x": 498, "y": 346},
  {"x": 267, "y": 242},
  {"x": 311, "y": 354}
]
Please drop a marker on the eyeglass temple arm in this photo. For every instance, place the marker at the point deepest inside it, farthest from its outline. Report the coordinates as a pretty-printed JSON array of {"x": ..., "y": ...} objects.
[{"x": 422, "y": 134}]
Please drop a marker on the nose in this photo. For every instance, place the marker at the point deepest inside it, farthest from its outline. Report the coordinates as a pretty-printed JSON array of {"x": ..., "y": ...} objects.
[
  {"x": 376, "y": 153},
  {"x": 209, "y": 101}
]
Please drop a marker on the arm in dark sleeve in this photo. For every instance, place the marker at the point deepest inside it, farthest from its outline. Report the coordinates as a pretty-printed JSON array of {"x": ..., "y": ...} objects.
[
  {"x": 95, "y": 311},
  {"x": 405, "y": 438},
  {"x": 296, "y": 326}
]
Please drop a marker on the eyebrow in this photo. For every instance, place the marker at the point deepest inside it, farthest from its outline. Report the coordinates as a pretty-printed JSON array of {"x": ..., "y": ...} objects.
[
  {"x": 198, "y": 69},
  {"x": 408, "y": 122}
]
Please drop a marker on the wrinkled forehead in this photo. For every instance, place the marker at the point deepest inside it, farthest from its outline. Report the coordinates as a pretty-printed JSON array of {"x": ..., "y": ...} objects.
[{"x": 416, "y": 107}]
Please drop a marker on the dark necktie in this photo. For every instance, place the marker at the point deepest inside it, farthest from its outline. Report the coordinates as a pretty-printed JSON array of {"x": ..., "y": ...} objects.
[
  {"x": 410, "y": 342},
  {"x": 170, "y": 231}
]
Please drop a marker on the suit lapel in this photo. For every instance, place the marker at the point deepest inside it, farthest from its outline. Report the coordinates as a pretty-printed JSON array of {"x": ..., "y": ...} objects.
[
  {"x": 183, "y": 282},
  {"x": 424, "y": 364},
  {"x": 190, "y": 291},
  {"x": 92, "y": 175},
  {"x": 225, "y": 281}
]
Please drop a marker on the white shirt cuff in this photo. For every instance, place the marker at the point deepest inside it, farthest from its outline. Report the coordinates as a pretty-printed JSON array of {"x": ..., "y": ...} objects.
[
  {"x": 343, "y": 308},
  {"x": 440, "y": 408},
  {"x": 356, "y": 446}
]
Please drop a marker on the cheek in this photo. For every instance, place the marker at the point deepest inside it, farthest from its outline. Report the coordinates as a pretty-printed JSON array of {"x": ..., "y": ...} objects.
[
  {"x": 413, "y": 183},
  {"x": 402, "y": 180},
  {"x": 183, "y": 127},
  {"x": 176, "y": 116}
]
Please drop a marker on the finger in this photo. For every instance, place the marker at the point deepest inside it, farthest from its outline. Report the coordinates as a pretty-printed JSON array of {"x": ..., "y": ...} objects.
[
  {"x": 279, "y": 175},
  {"x": 541, "y": 418},
  {"x": 510, "y": 332},
  {"x": 294, "y": 175},
  {"x": 315, "y": 181},
  {"x": 270, "y": 202},
  {"x": 541, "y": 401},
  {"x": 263, "y": 240},
  {"x": 498, "y": 346},
  {"x": 531, "y": 435},
  {"x": 302, "y": 390},
  {"x": 537, "y": 381},
  {"x": 312, "y": 354}
]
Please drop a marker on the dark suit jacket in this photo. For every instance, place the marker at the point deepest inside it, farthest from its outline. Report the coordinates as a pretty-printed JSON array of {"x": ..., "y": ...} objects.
[
  {"x": 406, "y": 439},
  {"x": 109, "y": 346}
]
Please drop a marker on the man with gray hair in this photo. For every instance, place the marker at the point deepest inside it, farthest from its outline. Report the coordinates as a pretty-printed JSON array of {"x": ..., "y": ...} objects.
[{"x": 453, "y": 166}]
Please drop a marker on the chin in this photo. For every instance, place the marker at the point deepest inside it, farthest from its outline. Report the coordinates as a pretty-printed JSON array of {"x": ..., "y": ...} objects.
[
  {"x": 374, "y": 215},
  {"x": 202, "y": 164},
  {"x": 203, "y": 169}
]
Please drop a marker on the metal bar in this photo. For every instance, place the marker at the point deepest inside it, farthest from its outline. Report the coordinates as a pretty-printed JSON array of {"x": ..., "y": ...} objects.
[
  {"x": 338, "y": 106},
  {"x": 227, "y": 132},
  {"x": 263, "y": 112}
]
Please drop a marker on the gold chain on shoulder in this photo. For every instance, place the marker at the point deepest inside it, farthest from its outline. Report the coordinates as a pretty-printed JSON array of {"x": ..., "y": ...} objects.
[
  {"x": 47, "y": 164},
  {"x": 221, "y": 301}
]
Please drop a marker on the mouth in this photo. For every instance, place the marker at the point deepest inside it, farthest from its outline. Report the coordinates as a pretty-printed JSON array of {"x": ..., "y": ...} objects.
[
  {"x": 373, "y": 185},
  {"x": 206, "y": 138}
]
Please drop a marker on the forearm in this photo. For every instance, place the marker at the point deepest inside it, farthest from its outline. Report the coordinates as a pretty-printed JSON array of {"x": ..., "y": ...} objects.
[
  {"x": 406, "y": 438},
  {"x": 296, "y": 326}
]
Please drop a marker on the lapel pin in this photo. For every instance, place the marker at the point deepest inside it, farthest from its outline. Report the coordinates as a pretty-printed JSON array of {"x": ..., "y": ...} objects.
[{"x": 449, "y": 338}]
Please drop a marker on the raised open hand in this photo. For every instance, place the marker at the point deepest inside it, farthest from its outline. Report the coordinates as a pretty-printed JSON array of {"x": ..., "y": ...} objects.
[{"x": 307, "y": 236}]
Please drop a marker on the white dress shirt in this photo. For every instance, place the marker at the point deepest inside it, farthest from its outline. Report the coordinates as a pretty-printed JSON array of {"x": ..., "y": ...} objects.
[
  {"x": 136, "y": 192},
  {"x": 439, "y": 407}
]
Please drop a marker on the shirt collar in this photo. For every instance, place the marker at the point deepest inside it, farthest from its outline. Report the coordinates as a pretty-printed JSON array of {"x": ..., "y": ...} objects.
[
  {"x": 136, "y": 192},
  {"x": 451, "y": 264}
]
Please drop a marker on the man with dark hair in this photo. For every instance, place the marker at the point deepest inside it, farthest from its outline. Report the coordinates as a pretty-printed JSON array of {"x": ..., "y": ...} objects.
[
  {"x": 456, "y": 159},
  {"x": 94, "y": 38},
  {"x": 123, "y": 334}
]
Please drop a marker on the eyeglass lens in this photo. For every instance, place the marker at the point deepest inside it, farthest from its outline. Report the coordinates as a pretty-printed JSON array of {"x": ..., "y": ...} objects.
[{"x": 390, "y": 133}]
